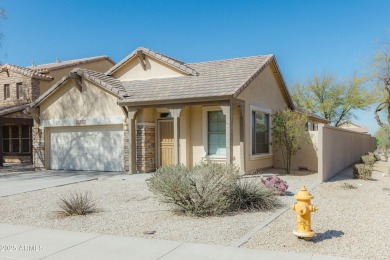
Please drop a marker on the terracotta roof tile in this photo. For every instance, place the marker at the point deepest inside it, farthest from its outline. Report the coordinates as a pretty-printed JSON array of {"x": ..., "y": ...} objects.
[
  {"x": 215, "y": 78},
  {"x": 26, "y": 72},
  {"x": 44, "y": 68}
]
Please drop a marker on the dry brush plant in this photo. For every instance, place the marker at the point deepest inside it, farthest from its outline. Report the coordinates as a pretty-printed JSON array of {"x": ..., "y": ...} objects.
[
  {"x": 249, "y": 195},
  {"x": 362, "y": 171},
  {"x": 368, "y": 160},
  {"x": 207, "y": 189},
  {"x": 77, "y": 204}
]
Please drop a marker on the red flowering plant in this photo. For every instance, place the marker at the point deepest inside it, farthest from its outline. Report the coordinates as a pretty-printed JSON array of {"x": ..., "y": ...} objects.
[{"x": 274, "y": 182}]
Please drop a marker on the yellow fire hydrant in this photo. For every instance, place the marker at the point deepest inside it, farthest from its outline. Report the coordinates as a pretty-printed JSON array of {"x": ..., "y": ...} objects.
[{"x": 304, "y": 210}]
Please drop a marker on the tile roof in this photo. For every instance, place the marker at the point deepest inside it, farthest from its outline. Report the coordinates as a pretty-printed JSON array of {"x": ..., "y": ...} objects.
[
  {"x": 215, "y": 78},
  {"x": 312, "y": 115},
  {"x": 44, "y": 68},
  {"x": 109, "y": 83},
  {"x": 26, "y": 72},
  {"x": 208, "y": 80},
  {"x": 13, "y": 109},
  {"x": 179, "y": 65}
]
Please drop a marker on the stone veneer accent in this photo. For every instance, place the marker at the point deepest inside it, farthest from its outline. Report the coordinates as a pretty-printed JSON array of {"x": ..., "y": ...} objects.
[
  {"x": 126, "y": 142},
  {"x": 146, "y": 148},
  {"x": 30, "y": 88},
  {"x": 38, "y": 147}
]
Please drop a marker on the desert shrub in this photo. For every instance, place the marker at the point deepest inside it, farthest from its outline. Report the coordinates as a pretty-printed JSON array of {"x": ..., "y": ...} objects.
[
  {"x": 368, "y": 160},
  {"x": 377, "y": 157},
  {"x": 77, "y": 204},
  {"x": 373, "y": 155},
  {"x": 274, "y": 182},
  {"x": 205, "y": 190},
  {"x": 362, "y": 171},
  {"x": 349, "y": 186},
  {"x": 249, "y": 195}
]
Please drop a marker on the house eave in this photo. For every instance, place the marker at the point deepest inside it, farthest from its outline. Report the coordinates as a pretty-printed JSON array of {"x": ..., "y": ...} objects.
[{"x": 175, "y": 102}]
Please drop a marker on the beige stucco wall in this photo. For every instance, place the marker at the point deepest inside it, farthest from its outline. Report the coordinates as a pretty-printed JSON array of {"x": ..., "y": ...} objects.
[
  {"x": 99, "y": 66},
  {"x": 133, "y": 70},
  {"x": 306, "y": 157},
  {"x": 69, "y": 102},
  {"x": 265, "y": 92},
  {"x": 339, "y": 148}
]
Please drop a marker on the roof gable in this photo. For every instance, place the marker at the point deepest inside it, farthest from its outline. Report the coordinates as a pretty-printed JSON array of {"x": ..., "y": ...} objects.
[
  {"x": 26, "y": 72},
  {"x": 110, "y": 84},
  {"x": 141, "y": 52}
]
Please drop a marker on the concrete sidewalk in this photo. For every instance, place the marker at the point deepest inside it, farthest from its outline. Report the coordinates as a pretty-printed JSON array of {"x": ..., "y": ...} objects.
[{"x": 20, "y": 242}]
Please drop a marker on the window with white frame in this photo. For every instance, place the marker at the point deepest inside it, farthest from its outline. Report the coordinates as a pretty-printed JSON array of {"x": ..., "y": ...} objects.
[
  {"x": 260, "y": 132},
  {"x": 216, "y": 133}
]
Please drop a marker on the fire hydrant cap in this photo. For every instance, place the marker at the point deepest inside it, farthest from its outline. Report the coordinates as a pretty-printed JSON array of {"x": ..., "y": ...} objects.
[{"x": 303, "y": 194}]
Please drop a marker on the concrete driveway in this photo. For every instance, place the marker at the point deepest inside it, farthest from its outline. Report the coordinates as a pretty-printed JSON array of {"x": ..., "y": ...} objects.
[{"x": 21, "y": 182}]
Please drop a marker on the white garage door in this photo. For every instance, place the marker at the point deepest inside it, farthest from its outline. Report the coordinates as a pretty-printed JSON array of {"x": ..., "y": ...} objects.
[{"x": 87, "y": 148}]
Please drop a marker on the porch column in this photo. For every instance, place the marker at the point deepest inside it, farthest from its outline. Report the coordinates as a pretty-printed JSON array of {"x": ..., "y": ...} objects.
[
  {"x": 175, "y": 113},
  {"x": 227, "y": 110},
  {"x": 132, "y": 143},
  {"x": 242, "y": 137}
]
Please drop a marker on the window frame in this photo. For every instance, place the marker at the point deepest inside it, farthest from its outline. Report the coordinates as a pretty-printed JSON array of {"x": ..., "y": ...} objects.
[
  {"x": 20, "y": 139},
  {"x": 7, "y": 91},
  {"x": 19, "y": 94},
  {"x": 254, "y": 108},
  {"x": 206, "y": 156}
]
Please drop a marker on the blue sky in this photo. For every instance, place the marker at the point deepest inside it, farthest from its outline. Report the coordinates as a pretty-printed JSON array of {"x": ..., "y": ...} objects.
[{"x": 307, "y": 37}]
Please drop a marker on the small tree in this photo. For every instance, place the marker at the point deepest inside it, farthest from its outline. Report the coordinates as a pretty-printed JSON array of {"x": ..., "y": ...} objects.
[
  {"x": 288, "y": 133},
  {"x": 380, "y": 74},
  {"x": 335, "y": 100},
  {"x": 383, "y": 141}
]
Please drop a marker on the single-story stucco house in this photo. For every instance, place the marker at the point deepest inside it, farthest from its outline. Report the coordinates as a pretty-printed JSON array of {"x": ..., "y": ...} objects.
[{"x": 151, "y": 110}]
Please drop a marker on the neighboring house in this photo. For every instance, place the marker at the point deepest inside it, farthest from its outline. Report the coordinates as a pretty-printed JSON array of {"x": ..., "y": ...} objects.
[
  {"x": 150, "y": 110},
  {"x": 354, "y": 127},
  {"x": 22, "y": 85}
]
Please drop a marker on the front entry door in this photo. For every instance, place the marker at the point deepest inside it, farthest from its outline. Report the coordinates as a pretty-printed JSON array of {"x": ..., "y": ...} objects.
[{"x": 166, "y": 142}]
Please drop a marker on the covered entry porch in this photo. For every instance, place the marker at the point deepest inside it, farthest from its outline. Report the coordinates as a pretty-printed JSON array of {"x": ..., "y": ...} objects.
[{"x": 185, "y": 134}]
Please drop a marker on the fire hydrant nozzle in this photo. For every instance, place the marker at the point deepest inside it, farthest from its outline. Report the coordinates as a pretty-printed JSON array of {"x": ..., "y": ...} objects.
[{"x": 304, "y": 210}]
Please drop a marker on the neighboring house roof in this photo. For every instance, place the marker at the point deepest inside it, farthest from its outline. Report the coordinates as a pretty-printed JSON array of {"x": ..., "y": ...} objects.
[
  {"x": 222, "y": 78},
  {"x": 13, "y": 109},
  {"x": 44, "y": 68},
  {"x": 313, "y": 115},
  {"x": 26, "y": 72},
  {"x": 353, "y": 127},
  {"x": 109, "y": 83},
  {"x": 179, "y": 65}
]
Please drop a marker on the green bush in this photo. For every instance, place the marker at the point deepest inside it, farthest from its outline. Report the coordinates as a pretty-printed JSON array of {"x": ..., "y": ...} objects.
[
  {"x": 362, "y": 171},
  {"x": 77, "y": 204},
  {"x": 208, "y": 189},
  {"x": 204, "y": 190},
  {"x": 249, "y": 195},
  {"x": 368, "y": 160}
]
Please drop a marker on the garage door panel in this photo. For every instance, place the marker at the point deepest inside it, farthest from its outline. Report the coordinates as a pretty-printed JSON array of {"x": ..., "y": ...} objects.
[{"x": 87, "y": 148}]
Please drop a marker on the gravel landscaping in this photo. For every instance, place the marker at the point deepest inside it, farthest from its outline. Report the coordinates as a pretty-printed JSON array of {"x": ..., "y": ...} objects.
[
  {"x": 128, "y": 208},
  {"x": 350, "y": 222}
]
